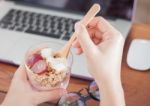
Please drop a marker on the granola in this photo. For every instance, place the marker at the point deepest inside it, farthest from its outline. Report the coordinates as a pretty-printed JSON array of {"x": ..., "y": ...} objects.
[{"x": 45, "y": 71}]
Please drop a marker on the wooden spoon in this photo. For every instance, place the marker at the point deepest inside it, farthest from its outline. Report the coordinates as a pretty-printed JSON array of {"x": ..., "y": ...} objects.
[{"x": 63, "y": 52}]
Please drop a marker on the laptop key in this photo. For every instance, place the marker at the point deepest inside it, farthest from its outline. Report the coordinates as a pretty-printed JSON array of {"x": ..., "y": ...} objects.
[
  {"x": 5, "y": 26},
  {"x": 43, "y": 33},
  {"x": 11, "y": 27},
  {"x": 6, "y": 22},
  {"x": 66, "y": 38},
  {"x": 19, "y": 29}
]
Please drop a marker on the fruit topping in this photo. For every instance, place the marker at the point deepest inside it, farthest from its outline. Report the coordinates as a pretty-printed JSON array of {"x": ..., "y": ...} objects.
[
  {"x": 39, "y": 67},
  {"x": 33, "y": 59}
]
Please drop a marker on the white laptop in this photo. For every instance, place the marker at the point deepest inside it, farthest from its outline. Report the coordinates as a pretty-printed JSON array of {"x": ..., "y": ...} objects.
[{"x": 24, "y": 23}]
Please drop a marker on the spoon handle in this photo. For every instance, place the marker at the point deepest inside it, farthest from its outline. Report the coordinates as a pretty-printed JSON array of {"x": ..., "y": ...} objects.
[{"x": 86, "y": 19}]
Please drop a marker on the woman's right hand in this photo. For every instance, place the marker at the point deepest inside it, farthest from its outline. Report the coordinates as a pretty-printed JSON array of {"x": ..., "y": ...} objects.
[{"x": 102, "y": 45}]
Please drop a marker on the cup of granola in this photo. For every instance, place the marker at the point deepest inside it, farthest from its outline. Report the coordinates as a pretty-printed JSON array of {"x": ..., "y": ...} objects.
[{"x": 46, "y": 72}]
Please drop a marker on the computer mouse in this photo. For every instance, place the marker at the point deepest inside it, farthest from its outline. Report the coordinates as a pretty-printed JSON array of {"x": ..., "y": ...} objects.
[{"x": 138, "y": 56}]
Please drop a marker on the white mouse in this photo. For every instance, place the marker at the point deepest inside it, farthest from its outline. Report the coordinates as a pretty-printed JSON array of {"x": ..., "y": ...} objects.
[{"x": 139, "y": 55}]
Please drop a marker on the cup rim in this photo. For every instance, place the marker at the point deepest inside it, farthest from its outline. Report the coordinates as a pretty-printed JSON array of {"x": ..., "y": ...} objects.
[{"x": 42, "y": 45}]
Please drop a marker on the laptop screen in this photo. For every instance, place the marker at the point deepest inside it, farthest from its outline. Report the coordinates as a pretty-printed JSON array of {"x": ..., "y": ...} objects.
[{"x": 110, "y": 8}]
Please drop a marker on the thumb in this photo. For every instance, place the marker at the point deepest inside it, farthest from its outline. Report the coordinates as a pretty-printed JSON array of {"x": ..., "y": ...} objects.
[
  {"x": 45, "y": 96},
  {"x": 21, "y": 73},
  {"x": 84, "y": 38}
]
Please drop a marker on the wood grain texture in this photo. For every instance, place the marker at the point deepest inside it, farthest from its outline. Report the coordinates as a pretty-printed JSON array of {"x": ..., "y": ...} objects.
[{"x": 136, "y": 84}]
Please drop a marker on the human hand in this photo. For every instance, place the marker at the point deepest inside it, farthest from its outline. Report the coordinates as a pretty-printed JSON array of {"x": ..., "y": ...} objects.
[
  {"x": 21, "y": 93},
  {"x": 103, "y": 46}
]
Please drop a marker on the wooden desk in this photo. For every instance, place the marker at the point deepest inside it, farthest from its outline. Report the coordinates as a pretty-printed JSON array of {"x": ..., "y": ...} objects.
[{"x": 136, "y": 84}]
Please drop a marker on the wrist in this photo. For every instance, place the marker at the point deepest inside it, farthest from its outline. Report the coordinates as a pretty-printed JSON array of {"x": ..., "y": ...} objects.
[
  {"x": 111, "y": 92},
  {"x": 111, "y": 85},
  {"x": 16, "y": 103},
  {"x": 111, "y": 81}
]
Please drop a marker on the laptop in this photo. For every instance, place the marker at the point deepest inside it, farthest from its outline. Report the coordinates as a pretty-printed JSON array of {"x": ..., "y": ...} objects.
[{"x": 24, "y": 23}]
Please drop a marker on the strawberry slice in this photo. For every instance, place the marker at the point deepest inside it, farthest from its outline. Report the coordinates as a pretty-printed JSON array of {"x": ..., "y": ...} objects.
[
  {"x": 39, "y": 67},
  {"x": 33, "y": 59}
]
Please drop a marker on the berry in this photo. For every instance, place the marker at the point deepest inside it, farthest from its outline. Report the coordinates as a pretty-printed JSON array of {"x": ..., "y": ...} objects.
[
  {"x": 39, "y": 67},
  {"x": 33, "y": 59}
]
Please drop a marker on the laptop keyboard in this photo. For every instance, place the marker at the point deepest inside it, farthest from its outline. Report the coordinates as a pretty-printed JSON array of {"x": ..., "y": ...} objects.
[{"x": 39, "y": 24}]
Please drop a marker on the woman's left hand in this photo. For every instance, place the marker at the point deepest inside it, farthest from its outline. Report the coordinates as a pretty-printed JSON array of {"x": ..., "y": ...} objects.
[{"x": 21, "y": 93}]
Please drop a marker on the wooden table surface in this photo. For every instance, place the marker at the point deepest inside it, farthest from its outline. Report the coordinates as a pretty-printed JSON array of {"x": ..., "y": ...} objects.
[{"x": 136, "y": 84}]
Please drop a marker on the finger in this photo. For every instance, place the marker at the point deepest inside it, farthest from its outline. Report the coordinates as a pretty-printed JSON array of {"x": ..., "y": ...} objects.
[
  {"x": 102, "y": 25},
  {"x": 52, "y": 95},
  {"x": 93, "y": 22},
  {"x": 84, "y": 38},
  {"x": 91, "y": 32},
  {"x": 21, "y": 73},
  {"x": 79, "y": 51},
  {"x": 94, "y": 33},
  {"x": 96, "y": 41},
  {"x": 76, "y": 44}
]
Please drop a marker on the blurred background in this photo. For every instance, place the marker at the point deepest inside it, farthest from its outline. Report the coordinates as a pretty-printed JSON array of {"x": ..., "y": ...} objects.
[
  {"x": 110, "y": 8},
  {"x": 142, "y": 14}
]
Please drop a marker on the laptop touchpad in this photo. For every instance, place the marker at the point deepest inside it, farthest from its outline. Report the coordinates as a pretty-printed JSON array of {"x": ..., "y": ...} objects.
[
  {"x": 7, "y": 39},
  {"x": 20, "y": 48}
]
